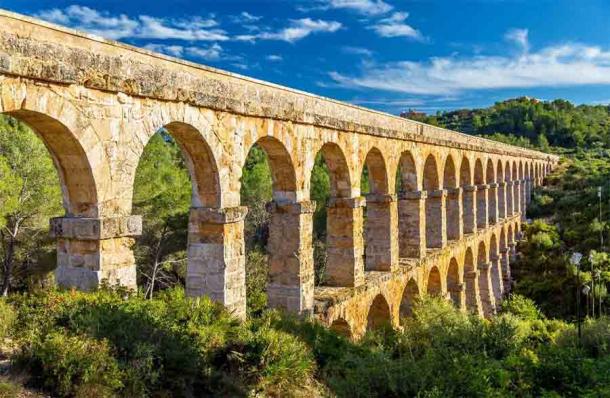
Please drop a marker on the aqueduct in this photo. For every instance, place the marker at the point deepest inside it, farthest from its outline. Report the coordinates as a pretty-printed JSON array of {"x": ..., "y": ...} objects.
[{"x": 447, "y": 226}]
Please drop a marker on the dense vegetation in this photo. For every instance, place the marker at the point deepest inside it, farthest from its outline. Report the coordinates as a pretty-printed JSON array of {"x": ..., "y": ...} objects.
[{"x": 155, "y": 342}]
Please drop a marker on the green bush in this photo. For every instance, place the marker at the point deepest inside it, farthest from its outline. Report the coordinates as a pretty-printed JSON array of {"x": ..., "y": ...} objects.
[
  {"x": 75, "y": 365},
  {"x": 7, "y": 319},
  {"x": 521, "y": 307}
]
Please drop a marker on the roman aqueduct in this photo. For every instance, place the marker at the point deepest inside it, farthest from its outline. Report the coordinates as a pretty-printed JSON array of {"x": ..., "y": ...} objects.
[{"x": 448, "y": 227}]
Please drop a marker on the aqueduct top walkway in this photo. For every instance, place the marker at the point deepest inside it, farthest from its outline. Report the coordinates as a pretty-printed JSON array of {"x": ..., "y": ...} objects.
[{"x": 448, "y": 228}]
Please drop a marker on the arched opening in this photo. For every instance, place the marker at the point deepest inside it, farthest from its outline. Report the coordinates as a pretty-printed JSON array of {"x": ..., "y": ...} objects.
[
  {"x": 378, "y": 214},
  {"x": 42, "y": 165},
  {"x": 484, "y": 279},
  {"x": 453, "y": 208},
  {"x": 435, "y": 227},
  {"x": 515, "y": 177},
  {"x": 492, "y": 195},
  {"x": 337, "y": 249},
  {"x": 409, "y": 296},
  {"x": 278, "y": 259},
  {"x": 468, "y": 197},
  {"x": 471, "y": 283},
  {"x": 411, "y": 234},
  {"x": 342, "y": 328},
  {"x": 496, "y": 275},
  {"x": 434, "y": 287},
  {"x": 379, "y": 313},
  {"x": 509, "y": 190},
  {"x": 176, "y": 172},
  {"x": 479, "y": 181},
  {"x": 453, "y": 283},
  {"x": 522, "y": 190},
  {"x": 501, "y": 190},
  {"x": 504, "y": 262}
]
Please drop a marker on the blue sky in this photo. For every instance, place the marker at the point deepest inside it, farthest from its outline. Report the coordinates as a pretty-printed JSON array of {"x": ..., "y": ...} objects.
[{"x": 389, "y": 55}]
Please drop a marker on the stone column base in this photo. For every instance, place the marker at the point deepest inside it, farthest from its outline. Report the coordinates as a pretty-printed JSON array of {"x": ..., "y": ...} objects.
[
  {"x": 381, "y": 235},
  {"x": 411, "y": 224}
]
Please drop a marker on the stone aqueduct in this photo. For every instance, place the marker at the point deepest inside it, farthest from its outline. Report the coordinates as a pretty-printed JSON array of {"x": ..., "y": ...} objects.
[{"x": 448, "y": 227}]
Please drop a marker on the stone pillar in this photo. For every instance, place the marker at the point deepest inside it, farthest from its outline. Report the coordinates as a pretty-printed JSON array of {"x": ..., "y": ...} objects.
[
  {"x": 95, "y": 250},
  {"x": 530, "y": 187},
  {"x": 485, "y": 289},
  {"x": 411, "y": 224},
  {"x": 473, "y": 298},
  {"x": 505, "y": 262},
  {"x": 517, "y": 196},
  {"x": 216, "y": 257},
  {"x": 470, "y": 209},
  {"x": 457, "y": 295},
  {"x": 497, "y": 282},
  {"x": 381, "y": 232},
  {"x": 512, "y": 252},
  {"x": 291, "y": 269},
  {"x": 492, "y": 209},
  {"x": 482, "y": 219},
  {"x": 502, "y": 200},
  {"x": 510, "y": 202},
  {"x": 523, "y": 199},
  {"x": 455, "y": 214},
  {"x": 436, "y": 219},
  {"x": 345, "y": 244}
]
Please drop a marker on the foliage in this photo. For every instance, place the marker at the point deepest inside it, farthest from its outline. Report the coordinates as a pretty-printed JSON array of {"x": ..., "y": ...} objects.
[
  {"x": 29, "y": 196},
  {"x": 531, "y": 122},
  {"x": 7, "y": 318},
  {"x": 162, "y": 195}
]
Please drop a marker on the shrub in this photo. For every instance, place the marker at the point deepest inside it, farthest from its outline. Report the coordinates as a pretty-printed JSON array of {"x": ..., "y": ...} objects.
[
  {"x": 7, "y": 319},
  {"x": 521, "y": 307},
  {"x": 75, "y": 366}
]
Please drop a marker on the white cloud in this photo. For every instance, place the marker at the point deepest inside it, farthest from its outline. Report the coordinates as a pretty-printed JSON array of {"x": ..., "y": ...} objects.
[
  {"x": 297, "y": 30},
  {"x": 519, "y": 36},
  {"x": 274, "y": 58},
  {"x": 357, "y": 51},
  {"x": 365, "y": 7},
  {"x": 121, "y": 26},
  {"x": 395, "y": 26},
  {"x": 245, "y": 17},
  {"x": 570, "y": 64},
  {"x": 211, "y": 53}
]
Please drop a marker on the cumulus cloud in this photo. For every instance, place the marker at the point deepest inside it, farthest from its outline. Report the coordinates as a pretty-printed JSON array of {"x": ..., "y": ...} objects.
[
  {"x": 297, "y": 30},
  {"x": 365, "y": 7},
  {"x": 357, "y": 51},
  {"x": 121, "y": 26},
  {"x": 570, "y": 64},
  {"x": 518, "y": 36},
  {"x": 245, "y": 17},
  {"x": 395, "y": 26},
  {"x": 274, "y": 58}
]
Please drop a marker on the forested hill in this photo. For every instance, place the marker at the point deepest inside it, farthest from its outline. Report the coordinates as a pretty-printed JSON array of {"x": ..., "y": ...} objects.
[{"x": 530, "y": 122}]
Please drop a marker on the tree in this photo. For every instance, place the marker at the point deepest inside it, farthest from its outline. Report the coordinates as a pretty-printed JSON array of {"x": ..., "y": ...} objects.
[
  {"x": 29, "y": 195},
  {"x": 162, "y": 195}
]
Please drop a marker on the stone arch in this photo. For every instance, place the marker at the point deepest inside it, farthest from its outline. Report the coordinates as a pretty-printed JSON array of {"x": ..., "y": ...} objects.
[
  {"x": 283, "y": 173},
  {"x": 379, "y": 230},
  {"x": 338, "y": 170},
  {"x": 471, "y": 283},
  {"x": 492, "y": 192},
  {"x": 501, "y": 190},
  {"x": 481, "y": 194},
  {"x": 430, "y": 177},
  {"x": 379, "y": 313},
  {"x": 452, "y": 208},
  {"x": 454, "y": 286},
  {"x": 76, "y": 177},
  {"x": 468, "y": 197},
  {"x": 408, "y": 173},
  {"x": 510, "y": 236},
  {"x": 496, "y": 272},
  {"x": 377, "y": 170},
  {"x": 434, "y": 286},
  {"x": 435, "y": 222},
  {"x": 342, "y": 328},
  {"x": 485, "y": 290},
  {"x": 200, "y": 163},
  {"x": 409, "y": 295}
]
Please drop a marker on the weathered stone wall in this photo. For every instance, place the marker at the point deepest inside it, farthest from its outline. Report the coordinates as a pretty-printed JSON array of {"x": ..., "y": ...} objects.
[{"x": 96, "y": 103}]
